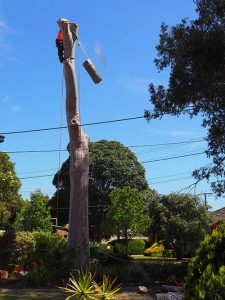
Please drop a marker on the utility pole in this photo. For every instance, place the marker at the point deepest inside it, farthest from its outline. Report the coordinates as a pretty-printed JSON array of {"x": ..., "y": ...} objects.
[
  {"x": 79, "y": 154},
  {"x": 205, "y": 198}
]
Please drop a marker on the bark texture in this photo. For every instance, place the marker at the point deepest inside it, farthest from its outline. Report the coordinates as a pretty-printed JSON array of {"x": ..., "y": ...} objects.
[{"x": 79, "y": 154}]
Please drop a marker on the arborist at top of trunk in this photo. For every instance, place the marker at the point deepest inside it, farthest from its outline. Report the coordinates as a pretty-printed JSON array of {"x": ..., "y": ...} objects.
[{"x": 59, "y": 45}]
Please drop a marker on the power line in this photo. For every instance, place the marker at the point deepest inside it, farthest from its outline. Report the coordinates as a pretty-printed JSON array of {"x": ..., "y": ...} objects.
[
  {"x": 155, "y": 160},
  {"x": 170, "y": 143},
  {"x": 34, "y": 151},
  {"x": 132, "y": 146},
  {"x": 153, "y": 178},
  {"x": 157, "y": 149},
  {"x": 82, "y": 125},
  {"x": 172, "y": 157},
  {"x": 171, "y": 180},
  {"x": 39, "y": 176},
  {"x": 39, "y": 171},
  {"x": 171, "y": 175}
]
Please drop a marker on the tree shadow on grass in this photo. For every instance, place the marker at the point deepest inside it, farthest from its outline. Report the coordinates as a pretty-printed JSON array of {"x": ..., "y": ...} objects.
[{"x": 32, "y": 294}]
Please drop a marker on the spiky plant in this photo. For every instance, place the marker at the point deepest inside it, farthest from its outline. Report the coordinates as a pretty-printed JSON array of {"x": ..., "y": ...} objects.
[
  {"x": 81, "y": 287},
  {"x": 107, "y": 288}
]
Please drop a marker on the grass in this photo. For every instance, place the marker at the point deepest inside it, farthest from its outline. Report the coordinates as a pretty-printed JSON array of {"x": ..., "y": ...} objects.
[
  {"x": 31, "y": 294},
  {"x": 57, "y": 295},
  {"x": 143, "y": 257}
]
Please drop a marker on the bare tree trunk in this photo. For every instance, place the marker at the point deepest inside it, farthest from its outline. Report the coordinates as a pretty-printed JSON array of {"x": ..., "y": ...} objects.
[{"x": 79, "y": 154}]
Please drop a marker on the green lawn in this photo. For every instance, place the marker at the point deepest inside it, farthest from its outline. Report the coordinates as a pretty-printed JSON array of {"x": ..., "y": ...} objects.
[
  {"x": 32, "y": 294},
  {"x": 57, "y": 295},
  {"x": 143, "y": 257}
]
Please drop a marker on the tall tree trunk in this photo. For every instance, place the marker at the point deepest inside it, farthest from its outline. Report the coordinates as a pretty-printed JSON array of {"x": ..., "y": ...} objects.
[{"x": 79, "y": 154}]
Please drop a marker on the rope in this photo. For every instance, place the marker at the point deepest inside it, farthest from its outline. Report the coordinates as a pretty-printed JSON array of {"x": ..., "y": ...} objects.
[
  {"x": 79, "y": 43},
  {"x": 60, "y": 143},
  {"x": 82, "y": 48},
  {"x": 78, "y": 78}
]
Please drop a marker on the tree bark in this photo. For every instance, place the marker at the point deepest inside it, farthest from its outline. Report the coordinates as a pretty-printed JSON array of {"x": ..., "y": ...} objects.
[{"x": 79, "y": 153}]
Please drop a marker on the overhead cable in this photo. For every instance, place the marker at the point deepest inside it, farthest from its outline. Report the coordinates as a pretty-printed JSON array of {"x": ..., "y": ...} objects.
[
  {"x": 132, "y": 146},
  {"x": 149, "y": 161},
  {"x": 172, "y": 157},
  {"x": 82, "y": 125}
]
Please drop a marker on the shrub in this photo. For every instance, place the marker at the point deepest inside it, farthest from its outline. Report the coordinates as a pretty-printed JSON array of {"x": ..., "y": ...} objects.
[
  {"x": 7, "y": 241},
  {"x": 106, "y": 247},
  {"x": 44, "y": 255},
  {"x": 206, "y": 271},
  {"x": 155, "y": 248},
  {"x": 37, "y": 277},
  {"x": 24, "y": 248},
  {"x": 55, "y": 249},
  {"x": 136, "y": 246},
  {"x": 119, "y": 247},
  {"x": 161, "y": 270},
  {"x": 101, "y": 247}
]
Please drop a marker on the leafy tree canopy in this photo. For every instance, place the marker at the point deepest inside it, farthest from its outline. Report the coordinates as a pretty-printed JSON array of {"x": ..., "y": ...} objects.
[
  {"x": 36, "y": 216},
  {"x": 195, "y": 52},
  {"x": 112, "y": 165},
  {"x": 206, "y": 271},
  {"x": 125, "y": 215},
  {"x": 180, "y": 220},
  {"x": 9, "y": 191}
]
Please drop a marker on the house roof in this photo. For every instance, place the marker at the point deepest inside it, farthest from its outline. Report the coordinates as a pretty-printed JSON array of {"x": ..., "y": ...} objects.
[{"x": 219, "y": 215}]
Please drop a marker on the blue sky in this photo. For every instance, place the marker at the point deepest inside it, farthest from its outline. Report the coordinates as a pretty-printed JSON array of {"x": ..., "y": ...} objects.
[{"x": 120, "y": 38}]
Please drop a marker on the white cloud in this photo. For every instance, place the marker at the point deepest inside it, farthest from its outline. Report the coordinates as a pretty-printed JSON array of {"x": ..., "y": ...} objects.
[
  {"x": 15, "y": 108},
  {"x": 182, "y": 133},
  {"x": 176, "y": 133},
  {"x": 197, "y": 144},
  {"x": 6, "y": 29},
  {"x": 3, "y": 26},
  {"x": 7, "y": 49},
  {"x": 99, "y": 53},
  {"x": 5, "y": 99},
  {"x": 135, "y": 84}
]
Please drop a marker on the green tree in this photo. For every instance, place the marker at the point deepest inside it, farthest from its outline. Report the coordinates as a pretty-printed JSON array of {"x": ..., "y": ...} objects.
[
  {"x": 125, "y": 215},
  {"x": 4, "y": 215},
  {"x": 155, "y": 209},
  {"x": 112, "y": 165},
  {"x": 20, "y": 214},
  {"x": 9, "y": 192},
  {"x": 36, "y": 216},
  {"x": 182, "y": 222},
  {"x": 206, "y": 271},
  {"x": 195, "y": 52}
]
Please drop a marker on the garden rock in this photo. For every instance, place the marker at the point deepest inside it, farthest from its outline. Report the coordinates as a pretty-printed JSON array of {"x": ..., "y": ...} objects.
[
  {"x": 142, "y": 289},
  {"x": 4, "y": 274}
]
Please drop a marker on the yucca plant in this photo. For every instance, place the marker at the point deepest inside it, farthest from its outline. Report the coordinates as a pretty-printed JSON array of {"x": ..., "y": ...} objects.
[
  {"x": 81, "y": 287},
  {"x": 106, "y": 289}
]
